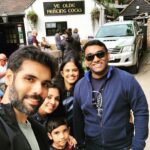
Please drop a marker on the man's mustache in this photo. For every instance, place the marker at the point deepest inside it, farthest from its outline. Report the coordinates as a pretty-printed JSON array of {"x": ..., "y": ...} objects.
[{"x": 36, "y": 97}]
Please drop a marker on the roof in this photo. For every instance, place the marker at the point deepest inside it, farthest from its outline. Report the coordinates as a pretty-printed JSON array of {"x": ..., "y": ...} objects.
[
  {"x": 14, "y": 7},
  {"x": 118, "y": 22},
  {"x": 130, "y": 10}
]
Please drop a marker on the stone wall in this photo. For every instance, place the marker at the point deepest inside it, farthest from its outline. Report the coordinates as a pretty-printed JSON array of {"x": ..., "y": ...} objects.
[{"x": 148, "y": 34}]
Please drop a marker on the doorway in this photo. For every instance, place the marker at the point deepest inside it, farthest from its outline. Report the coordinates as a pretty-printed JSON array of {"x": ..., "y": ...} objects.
[{"x": 9, "y": 41}]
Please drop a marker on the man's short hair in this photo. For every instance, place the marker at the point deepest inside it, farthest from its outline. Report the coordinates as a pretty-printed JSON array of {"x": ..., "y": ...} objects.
[
  {"x": 95, "y": 42},
  {"x": 34, "y": 54},
  {"x": 2, "y": 56}
]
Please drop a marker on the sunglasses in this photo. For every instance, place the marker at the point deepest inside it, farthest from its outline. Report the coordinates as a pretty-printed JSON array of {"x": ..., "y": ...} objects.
[
  {"x": 99, "y": 54},
  {"x": 97, "y": 100}
]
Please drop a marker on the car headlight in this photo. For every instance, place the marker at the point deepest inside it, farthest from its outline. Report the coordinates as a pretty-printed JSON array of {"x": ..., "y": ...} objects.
[{"x": 128, "y": 48}]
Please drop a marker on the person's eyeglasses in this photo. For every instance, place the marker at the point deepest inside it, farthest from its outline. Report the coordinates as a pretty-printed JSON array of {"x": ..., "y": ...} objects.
[
  {"x": 99, "y": 54},
  {"x": 4, "y": 59},
  {"x": 97, "y": 100}
]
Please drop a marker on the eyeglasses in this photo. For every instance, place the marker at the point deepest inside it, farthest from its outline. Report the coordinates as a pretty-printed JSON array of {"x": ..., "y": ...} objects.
[
  {"x": 97, "y": 100},
  {"x": 4, "y": 59},
  {"x": 99, "y": 54}
]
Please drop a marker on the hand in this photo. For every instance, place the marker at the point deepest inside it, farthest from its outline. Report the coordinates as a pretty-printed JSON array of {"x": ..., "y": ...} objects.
[{"x": 72, "y": 141}]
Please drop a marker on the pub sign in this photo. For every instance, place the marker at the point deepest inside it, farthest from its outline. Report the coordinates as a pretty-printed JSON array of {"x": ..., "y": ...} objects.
[{"x": 64, "y": 8}]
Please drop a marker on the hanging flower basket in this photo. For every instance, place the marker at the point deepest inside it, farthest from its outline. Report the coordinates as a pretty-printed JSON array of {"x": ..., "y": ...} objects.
[
  {"x": 32, "y": 16},
  {"x": 95, "y": 15}
]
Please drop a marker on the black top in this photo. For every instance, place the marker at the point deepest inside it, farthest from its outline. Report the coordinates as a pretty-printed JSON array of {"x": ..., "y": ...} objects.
[{"x": 11, "y": 136}]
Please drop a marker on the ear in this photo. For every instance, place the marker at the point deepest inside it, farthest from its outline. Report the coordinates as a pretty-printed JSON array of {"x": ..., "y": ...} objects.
[
  {"x": 49, "y": 135},
  {"x": 108, "y": 55},
  {"x": 9, "y": 77},
  {"x": 61, "y": 72},
  {"x": 86, "y": 63}
]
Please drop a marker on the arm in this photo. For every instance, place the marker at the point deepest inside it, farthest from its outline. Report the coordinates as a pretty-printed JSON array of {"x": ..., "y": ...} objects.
[
  {"x": 34, "y": 44},
  {"x": 78, "y": 121},
  {"x": 2, "y": 74},
  {"x": 5, "y": 143},
  {"x": 141, "y": 114}
]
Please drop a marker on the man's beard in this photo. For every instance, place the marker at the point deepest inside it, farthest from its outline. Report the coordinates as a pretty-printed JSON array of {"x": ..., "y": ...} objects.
[{"x": 19, "y": 103}]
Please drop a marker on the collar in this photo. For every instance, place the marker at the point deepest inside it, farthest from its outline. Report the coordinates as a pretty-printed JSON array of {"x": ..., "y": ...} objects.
[{"x": 109, "y": 73}]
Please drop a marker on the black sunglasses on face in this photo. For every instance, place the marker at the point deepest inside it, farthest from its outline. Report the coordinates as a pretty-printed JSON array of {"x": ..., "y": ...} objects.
[{"x": 99, "y": 54}]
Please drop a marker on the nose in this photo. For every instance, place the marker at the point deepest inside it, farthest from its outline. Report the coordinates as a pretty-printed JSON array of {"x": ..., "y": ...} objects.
[
  {"x": 95, "y": 58},
  {"x": 71, "y": 72},
  {"x": 37, "y": 88},
  {"x": 61, "y": 135},
  {"x": 52, "y": 100}
]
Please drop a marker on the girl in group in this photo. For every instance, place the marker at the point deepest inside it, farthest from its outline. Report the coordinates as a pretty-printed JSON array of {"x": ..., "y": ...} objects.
[
  {"x": 51, "y": 106},
  {"x": 58, "y": 133},
  {"x": 70, "y": 72}
]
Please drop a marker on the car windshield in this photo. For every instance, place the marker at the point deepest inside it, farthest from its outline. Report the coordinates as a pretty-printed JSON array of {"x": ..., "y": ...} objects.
[{"x": 115, "y": 31}]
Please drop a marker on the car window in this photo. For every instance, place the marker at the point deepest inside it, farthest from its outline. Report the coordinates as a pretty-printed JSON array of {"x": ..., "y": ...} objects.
[{"x": 115, "y": 31}]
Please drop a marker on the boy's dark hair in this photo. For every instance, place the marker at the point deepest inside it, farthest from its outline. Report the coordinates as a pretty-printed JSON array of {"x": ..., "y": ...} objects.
[
  {"x": 95, "y": 42},
  {"x": 55, "y": 122},
  {"x": 32, "y": 53}
]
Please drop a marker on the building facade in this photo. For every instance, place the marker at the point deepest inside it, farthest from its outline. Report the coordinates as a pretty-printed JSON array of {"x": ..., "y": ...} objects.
[{"x": 63, "y": 14}]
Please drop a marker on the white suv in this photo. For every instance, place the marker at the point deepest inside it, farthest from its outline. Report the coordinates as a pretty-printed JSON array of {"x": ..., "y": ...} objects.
[{"x": 124, "y": 40}]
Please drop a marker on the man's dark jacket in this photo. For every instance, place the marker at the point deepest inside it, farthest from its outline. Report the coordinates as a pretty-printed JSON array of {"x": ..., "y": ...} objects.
[{"x": 12, "y": 138}]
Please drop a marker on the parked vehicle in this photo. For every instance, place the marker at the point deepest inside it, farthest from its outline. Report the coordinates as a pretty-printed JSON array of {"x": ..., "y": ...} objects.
[{"x": 124, "y": 40}]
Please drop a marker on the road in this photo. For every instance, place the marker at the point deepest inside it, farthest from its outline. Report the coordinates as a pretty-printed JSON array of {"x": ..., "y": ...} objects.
[{"x": 143, "y": 78}]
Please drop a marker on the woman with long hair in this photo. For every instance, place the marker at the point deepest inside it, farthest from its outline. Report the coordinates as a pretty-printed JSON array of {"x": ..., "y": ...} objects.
[{"x": 70, "y": 72}]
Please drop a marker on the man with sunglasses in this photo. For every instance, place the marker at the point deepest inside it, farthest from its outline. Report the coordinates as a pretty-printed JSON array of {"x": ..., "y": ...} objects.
[{"x": 103, "y": 100}]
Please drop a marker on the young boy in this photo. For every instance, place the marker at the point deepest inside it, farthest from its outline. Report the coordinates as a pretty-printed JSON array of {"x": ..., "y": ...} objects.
[{"x": 58, "y": 132}]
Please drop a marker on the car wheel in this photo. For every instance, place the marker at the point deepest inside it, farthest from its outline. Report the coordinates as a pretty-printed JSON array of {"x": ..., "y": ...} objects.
[{"x": 134, "y": 69}]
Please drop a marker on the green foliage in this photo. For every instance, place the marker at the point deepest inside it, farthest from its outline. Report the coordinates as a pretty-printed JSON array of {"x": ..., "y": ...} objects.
[
  {"x": 32, "y": 16},
  {"x": 95, "y": 14},
  {"x": 111, "y": 11},
  {"x": 109, "y": 1}
]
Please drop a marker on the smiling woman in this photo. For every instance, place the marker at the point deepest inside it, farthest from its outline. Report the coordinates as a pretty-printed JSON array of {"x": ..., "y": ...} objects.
[
  {"x": 70, "y": 72},
  {"x": 52, "y": 106}
]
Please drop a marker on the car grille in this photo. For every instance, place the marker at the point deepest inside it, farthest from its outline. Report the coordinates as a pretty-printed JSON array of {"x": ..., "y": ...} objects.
[
  {"x": 114, "y": 50},
  {"x": 114, "y": 61}
]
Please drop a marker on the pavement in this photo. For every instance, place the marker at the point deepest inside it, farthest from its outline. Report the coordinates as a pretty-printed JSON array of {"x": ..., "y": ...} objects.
[{"x": 143, "y": 78}]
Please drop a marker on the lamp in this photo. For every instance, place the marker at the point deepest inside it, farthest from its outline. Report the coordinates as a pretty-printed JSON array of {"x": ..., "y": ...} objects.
[
  {"x": 137, "y": 9},
  {"x": 5, "y": 17}
]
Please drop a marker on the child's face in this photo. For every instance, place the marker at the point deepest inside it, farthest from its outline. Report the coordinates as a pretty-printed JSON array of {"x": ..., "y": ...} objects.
[
  {"x": 59, "y": 136},
  {"x": 51, "y": 102}
]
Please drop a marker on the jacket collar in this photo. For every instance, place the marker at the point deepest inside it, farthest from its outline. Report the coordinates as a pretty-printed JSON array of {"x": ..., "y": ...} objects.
[{"x": 109, "y": 73}]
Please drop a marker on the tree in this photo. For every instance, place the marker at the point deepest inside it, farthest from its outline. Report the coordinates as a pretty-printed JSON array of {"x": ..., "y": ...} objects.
[{"x": 110, "y": 11}]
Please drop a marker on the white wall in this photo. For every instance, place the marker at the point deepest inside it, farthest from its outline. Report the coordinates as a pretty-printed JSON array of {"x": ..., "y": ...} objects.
[{"x": 80, "y": 21}]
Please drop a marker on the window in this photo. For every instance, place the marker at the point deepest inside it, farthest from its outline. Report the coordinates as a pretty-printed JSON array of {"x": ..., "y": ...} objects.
[
  {"x": 51, "y": 27},
  {"x": 11, "y": 36}
]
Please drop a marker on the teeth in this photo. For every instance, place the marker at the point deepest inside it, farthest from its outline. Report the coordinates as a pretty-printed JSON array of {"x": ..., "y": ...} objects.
[{"x": 97, "y": 65}]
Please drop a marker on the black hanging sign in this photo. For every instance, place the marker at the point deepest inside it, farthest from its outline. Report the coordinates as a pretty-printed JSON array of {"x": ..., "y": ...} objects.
[{"x": 64, "y": 8}]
